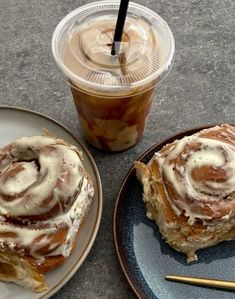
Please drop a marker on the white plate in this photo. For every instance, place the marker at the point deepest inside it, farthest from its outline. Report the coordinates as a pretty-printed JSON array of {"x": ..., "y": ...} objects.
[{"x": 15, "y": 123}]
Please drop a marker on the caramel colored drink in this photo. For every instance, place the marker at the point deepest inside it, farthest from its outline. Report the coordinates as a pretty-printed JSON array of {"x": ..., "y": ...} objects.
[{"x": 113, "y": 93}]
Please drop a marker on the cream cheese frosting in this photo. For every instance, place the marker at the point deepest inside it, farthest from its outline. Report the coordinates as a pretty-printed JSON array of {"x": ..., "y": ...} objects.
[
  {"x": 193, "y": 154},
  {"x": 44, "y": 190},
  {"x": 189, "y": 189}
]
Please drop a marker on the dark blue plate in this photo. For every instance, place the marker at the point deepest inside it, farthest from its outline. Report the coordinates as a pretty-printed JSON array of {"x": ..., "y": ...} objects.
[{"x": 145, "y": 258}]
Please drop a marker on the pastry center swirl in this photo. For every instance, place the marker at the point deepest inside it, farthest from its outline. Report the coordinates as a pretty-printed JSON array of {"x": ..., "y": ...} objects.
[
  {"x": 199, "y": 174},
  {"x": 49, "y": 179},
  {"x": 44, "y": 194},
  {"x": 207, "y": 172},
  {"x": 18, "y": 178}
]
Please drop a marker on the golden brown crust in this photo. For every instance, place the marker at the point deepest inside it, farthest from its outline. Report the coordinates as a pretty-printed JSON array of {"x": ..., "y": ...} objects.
[
  {"x": 51, "y": 262},
  {"x": 20, "y": 271}
]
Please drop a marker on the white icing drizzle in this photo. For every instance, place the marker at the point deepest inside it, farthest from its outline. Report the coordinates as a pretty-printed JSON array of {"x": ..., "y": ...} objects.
[
  {"x": 25, "y": 236},
  {"x": 52, "y": 164},
  {"x": 216, "y": 195},
  {"x": 60, "y": 177},
  {"x": 22, "y": 180}
]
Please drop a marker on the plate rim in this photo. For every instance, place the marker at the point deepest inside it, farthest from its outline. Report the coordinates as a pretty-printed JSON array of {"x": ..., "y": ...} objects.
[
  {"x": 123, "y": 264},
  {"x": 93, "y": 236}
]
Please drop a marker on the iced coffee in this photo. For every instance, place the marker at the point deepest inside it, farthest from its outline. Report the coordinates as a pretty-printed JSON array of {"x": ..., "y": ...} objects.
[{"x": 113, "y": 93}]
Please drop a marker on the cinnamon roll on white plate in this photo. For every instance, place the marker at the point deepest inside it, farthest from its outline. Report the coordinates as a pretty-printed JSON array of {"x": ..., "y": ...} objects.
[
  {"x": 189, "y": 189},
  {"x": 45, "y": 195}
]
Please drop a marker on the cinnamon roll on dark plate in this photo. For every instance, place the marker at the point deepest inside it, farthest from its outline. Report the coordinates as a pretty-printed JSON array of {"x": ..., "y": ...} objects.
[
  {"x": 189, "y": 189},
  {"x": 45, "y": 195}
]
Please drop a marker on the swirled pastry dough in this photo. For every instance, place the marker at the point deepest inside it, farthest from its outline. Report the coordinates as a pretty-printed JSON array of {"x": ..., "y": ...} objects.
[
  {"x": 189, "y": 189},
  {"x": 45, "y": 194}
]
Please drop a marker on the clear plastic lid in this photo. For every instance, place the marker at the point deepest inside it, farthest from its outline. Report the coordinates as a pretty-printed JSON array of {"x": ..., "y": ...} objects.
[{"x": 82, "y": 41}]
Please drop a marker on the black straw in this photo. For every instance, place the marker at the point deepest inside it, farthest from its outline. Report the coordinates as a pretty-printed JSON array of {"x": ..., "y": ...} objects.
[{"x": 119, "y": 26}]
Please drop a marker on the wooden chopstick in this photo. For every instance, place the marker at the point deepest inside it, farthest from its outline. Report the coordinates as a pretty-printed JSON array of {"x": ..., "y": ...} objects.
[{"x": 207, "y": 282}]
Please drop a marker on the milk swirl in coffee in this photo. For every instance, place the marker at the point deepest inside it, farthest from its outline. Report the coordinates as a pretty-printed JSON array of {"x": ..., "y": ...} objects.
[
  {"x": 113, "y": 93},
  {"x": 112, "y": 118}
]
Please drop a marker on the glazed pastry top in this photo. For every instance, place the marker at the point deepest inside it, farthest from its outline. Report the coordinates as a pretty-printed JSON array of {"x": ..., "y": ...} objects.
[
  {"x": 44, "y": 194},
  {"x": 198, "y": 172}
]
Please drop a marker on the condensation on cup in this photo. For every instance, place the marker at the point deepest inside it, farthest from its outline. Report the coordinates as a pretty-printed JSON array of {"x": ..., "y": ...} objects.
[{"x": 113, "y": 93}]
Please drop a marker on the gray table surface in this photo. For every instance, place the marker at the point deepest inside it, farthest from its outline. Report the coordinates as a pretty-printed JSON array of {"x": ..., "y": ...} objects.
[{"x": 199, "y": 90}]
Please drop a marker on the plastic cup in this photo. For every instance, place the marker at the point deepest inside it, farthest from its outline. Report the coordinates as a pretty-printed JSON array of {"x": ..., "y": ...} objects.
[{"x": 113, "y": 94}]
